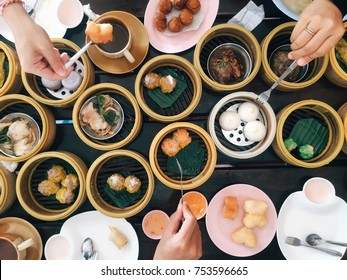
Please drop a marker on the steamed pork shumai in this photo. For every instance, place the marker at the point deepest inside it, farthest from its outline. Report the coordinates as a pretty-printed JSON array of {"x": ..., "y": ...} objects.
[
  {"x": 181, "y": 135},
  {"x": 193, "y": 5},
  {"x": 167, "y": 84},
  {"x": 175, "y": 24},
  {"x": 170, "y": 147},
  {"x": 186, "y": 17},
  {"x": 70, "y": 182},
  {"x": 165, "y": 6},
  {"x": 151, "y": 80},
  {"x": 47, "y": 187},
  {"x": 64, "y": 195},
  {"x": 160, "y": 21},
  {"x": 116, "y": 182},
  {"x": 56, "y": 173},
  {"x": 132, "y": 183},
  {"x": 179, "y": 4}
]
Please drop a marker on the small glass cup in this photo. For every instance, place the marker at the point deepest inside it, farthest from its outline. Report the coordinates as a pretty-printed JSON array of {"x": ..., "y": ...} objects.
[{"x": 70, "y": 13}]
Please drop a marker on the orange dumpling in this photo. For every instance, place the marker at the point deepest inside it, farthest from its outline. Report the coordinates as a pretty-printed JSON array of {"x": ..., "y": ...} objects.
[
  {"x": 231, "y": 207},
  {"x": 170, "y": 147},
  {"x": 181, "y": 135}
]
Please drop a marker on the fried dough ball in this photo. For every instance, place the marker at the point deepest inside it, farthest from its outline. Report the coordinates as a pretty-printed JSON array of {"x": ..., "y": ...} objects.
[
  {"x": 193, "y": 5},
  {"x": 186, "y": 17},
  {"x": 175, "y": 24},
  {"x": 252, "y": 220},
  {"x": 181, "y": 135},
  {"x": 160, "y": 21},
  {"x": 255, "y": 206},
  {"x": 179, "y": 4},
  {"x": 151, "y": 80},
  {"x": 165, "y": 6},
  {"x": 167, "y": 84},
  {"x": 170, "y": 147}
]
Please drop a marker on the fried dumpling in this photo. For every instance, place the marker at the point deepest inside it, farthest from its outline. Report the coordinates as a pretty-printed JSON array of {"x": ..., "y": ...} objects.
[
  {"x": 245, "y": 236},
  {"x": 99, "y": 33},
  {"x": 230, "y": 207},
  {"x": 255, "y": 206},
  {"x": 252, "y": 221}
]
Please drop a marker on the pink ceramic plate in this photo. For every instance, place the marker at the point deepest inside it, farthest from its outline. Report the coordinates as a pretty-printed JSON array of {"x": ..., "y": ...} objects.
[
  {"x": 183, "y": 40},
  {"x": 220, "y": 229}
]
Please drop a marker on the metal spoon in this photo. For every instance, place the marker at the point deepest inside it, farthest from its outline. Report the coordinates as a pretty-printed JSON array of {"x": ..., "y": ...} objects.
[
  {"x": 314, "y": 239},
  {"x": 87, "y": 250}
]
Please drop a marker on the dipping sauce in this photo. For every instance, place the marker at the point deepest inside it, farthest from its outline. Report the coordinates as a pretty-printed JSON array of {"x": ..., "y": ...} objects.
[
  {"x": 154, "y": 223},
  {"x": 58, "y": 247},
  {"x": 197, "y": 203},
  {"x": 319, "y": 190}
]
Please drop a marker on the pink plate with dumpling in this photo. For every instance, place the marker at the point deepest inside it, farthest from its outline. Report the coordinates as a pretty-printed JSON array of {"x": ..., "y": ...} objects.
[{"x": 220, "y": 229}]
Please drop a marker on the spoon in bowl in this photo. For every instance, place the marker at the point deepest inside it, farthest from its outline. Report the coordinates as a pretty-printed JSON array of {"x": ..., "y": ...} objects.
[{"x": 314, "y": 240}]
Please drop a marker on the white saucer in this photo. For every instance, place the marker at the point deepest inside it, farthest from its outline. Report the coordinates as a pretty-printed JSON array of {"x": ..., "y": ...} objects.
[
  {"x": 45, "y": 15},
  {"x": 95, "y": 225},
  {"x": 298, "y": 219}
]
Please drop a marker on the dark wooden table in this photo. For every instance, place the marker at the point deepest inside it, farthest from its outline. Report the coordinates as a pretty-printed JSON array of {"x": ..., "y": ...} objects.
[{"x": 266, "y": 171}]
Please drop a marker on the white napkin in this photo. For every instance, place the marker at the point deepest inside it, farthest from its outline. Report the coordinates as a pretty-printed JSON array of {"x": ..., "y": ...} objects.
[{"x": 250, "y": 16}]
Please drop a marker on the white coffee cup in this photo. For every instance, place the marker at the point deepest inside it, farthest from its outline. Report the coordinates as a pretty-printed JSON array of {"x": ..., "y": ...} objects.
[
  {"x": 122, "y": 39},
  {"x": 58, "y": 247},
  {"x": 70, "y": 13},
  {"x": 13, "y": 247},
  {"x": 319, "y": 191}
]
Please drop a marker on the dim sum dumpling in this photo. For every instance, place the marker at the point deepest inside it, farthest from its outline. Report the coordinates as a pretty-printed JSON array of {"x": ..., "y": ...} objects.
[
  {"x": 132, "y": 183},
  {"x": 118, "y": 238},
  {"x": 70, "y": 182},
  {"x": 64, "y": 195},
  {"x": 252, "y": 221},
  {"x": 56, "y": 173},
  {"x": 116, "y": 182},
  {"x": 47, "y": 187},
  {"x": 255, "y": 206},
  {"x": 181, "y": 135}
]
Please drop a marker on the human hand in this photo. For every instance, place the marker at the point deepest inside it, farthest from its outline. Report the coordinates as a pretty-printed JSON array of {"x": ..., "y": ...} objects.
[
  {"x": 35, "y": 50},
  {"x": 180, "y": 243},
  {"x": 319, "y": 28}
]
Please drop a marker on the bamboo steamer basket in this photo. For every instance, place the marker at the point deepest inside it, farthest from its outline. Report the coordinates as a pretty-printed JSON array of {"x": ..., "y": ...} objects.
[
  {"x": 157, "y": 158},
  {"x": 188, "y": 100},
  {"x": 342, "y": 111},
  {"x": 7, "y": 189},
  {"x": 316, "y": 109},
  {"x": 334, "y": 72},
  {"x": 220, "y": 34},
  {"x": 115, "y": 162},
  {"x": 230, "y": 146},
  {"x": 34, "y": 86},
  {"x": 281, "y": 36},
  {"x": 31, "y": 174},
  {"x": 10, "y": 103},
  {"x": 132, "y": 114},
  {"x": 13, "y": 82}
]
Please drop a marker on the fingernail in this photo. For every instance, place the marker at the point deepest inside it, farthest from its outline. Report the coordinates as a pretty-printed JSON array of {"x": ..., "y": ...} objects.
[
  {"x": 290, "y": 56},
  {"x": 61, "y": 72},
  {"x": 302, "y": 62}
]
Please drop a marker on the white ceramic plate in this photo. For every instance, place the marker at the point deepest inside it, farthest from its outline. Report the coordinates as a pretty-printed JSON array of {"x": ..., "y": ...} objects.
[
  {"x": 45, "y": 14},
  {"x": 95, "y": 225},
  {"x": 184, "y": 39},
  {"x": 298, "y": 219},
  {"x": 282, "y": 7},
  {"x": 220, "y": 229}
]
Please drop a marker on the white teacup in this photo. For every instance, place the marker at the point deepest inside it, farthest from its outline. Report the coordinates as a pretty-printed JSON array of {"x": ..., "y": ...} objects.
[
  {"x": 70, "y": 13},
  {"x": 319, "y": 191},
  {"x": 121, "y": 43},
  {"x": 58, "y": 247},
  {"x": 13, "y": 247}
]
